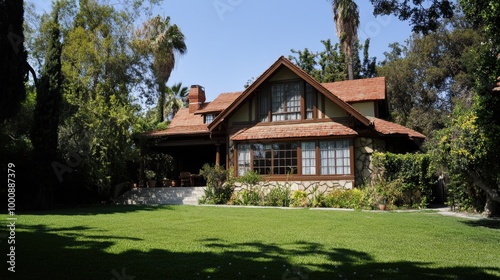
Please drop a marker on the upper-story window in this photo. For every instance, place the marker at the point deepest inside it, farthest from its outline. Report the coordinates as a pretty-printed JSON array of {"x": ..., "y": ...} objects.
[
  {"x": 209, "y": 118},
  {"x": 283, "y": 102}
]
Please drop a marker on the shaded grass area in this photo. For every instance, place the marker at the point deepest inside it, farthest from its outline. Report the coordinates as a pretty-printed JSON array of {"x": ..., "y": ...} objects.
[{"x": 183, "y": 242}]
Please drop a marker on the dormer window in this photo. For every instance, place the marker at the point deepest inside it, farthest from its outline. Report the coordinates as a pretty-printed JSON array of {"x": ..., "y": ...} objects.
[{"x": 209, "y": 118}]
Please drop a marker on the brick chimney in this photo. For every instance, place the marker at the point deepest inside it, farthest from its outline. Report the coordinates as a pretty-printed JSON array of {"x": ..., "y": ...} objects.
[{"x": 196, "y": 97}]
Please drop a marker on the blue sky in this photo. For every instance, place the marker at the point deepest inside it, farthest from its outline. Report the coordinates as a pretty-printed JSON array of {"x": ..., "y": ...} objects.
[{"x": 231, "y": 41}]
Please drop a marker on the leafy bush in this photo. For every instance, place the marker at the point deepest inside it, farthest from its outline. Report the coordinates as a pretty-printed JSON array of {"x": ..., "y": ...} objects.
[
  {"x": 299, "y": 199},
  {"x": 278, "y": 196},
  {"x": 252, "y": 196},
  {"x": 250, "y": 178},
  {"x": 339, "y": 198},
  {"x": 220, "y": 184},
  {"x": 404, "y": 180}
]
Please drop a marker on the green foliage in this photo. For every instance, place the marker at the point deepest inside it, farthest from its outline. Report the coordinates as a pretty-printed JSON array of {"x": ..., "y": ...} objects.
[
  {"x": 252, "y": 196},
  {"x": 457, "y": 149},
  {"x": 339, "y": 198},
  {"x": 437, "y": 69},
  {"x": 49, "y": 98},
  {"x": 250, "y": 178},
  {"x": 278, "y": 195},
  {"x": 330, "y": 64},
  {"x": 299, "y": 199},
  {"x": 423, "y": 18},
  {"x": 220, "y": 184},
  {"x": 404, "y": 180}
]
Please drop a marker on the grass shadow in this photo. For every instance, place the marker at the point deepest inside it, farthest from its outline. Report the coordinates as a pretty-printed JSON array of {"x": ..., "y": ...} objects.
[
  {"x": 99, "y": 210},
  {"x": 45, "y": 252},
  {"x": 487, "y": 223}
]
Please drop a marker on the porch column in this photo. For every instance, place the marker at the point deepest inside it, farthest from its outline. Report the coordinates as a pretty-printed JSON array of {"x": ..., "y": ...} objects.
[{"x": 217, "y": 155}]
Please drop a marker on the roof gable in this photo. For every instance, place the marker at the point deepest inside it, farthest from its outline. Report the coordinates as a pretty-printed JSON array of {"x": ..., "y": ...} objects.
[{"x": 283, "y": 62}]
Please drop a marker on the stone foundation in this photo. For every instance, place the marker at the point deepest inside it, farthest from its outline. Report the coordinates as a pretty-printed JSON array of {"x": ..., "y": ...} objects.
[{"x": 309, "y": 187}]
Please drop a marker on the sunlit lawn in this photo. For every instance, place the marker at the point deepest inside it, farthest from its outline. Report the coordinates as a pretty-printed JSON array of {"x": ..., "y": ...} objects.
[{"x": 189, "y": 242}]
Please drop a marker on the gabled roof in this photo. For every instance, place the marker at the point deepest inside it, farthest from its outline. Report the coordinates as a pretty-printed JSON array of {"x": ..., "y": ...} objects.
[
  {"x": 389, "y": 128},
  {"x": 283, "y": 62},
  {"x": 183, "y": 123},
  {"x": 358, "y": 90},
  {"x": 299, "y": 130},
  {"x": 220, "y": 103}
]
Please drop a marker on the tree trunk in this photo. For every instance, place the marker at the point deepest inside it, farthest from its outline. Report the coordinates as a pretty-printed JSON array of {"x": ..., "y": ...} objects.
[{"x": 493, "y": 195}]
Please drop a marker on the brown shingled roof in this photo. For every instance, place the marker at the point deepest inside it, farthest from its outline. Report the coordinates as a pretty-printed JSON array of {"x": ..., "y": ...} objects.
[
  {"x": 183, "y": 123},
  {"x": 358, "y": 90},
  {"x": 390, "y": 128},
  {"x": 281, "y": 131},
  {"x": 219, "y": 104}
]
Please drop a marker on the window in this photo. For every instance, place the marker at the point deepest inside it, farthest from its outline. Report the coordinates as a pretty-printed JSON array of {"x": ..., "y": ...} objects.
[
  {"x": 284, "y": 158},
  {"x": 285, "y": 101},
  {"x": 310, "y": 101},
  {"x": 209, "y": 118},
  {"x": 243, "y": 159},
  {"x": 262, "y": 158},
  {"x": 335, "y": 157},
  {"x": 308, "y": 158}
]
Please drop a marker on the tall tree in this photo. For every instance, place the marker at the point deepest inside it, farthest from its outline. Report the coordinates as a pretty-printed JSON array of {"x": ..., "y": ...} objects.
[
  {"x": 44, "y": 134},
  {"x": 427, "y": 75},
  {"x": 424, "y": 15},
  {"x": 13, "y": 64},
  {"x": 163, "y": 41},
  {"x": 346, "y": 17}
]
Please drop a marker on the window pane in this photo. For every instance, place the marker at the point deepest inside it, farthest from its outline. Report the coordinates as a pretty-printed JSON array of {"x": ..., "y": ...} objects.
[
  {"x": 285, "y": 101},
  {"x": 310, "y": 100},
  {"x": 262, "y": 159},
  {"x": 243, "y": 159},
  {"x": 335, "y": 157},
  {"x": 308, "y": 158},
  {"x": 285, "y": 158},
  {"x": 209, "y": 118},
  {"x": 264, "y": 107}
]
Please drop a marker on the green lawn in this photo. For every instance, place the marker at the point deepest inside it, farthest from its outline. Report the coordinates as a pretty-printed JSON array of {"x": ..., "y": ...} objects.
[{"x": 189, "y": 242}]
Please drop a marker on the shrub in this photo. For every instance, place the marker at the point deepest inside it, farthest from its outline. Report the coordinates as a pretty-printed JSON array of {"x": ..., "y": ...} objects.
[
  {"x": 299, "y": 199},
  {"x": 279, "y": 195},
  {"x": 339, "y": 198},
  {"x": 252, "y": 196},
  {"x": 404, "y": 180},
  {"x": 220, "y": 184},
  {"x": 250, "y": 178}
]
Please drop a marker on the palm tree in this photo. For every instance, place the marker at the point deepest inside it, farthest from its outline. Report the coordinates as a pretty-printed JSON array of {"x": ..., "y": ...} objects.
[
  {"x": 163, "y": 41},
  {"x": 346, "y": 17},
  {"x": 175, "y": 98}
]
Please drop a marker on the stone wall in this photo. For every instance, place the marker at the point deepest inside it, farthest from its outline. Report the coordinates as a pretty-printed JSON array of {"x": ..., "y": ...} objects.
[
  {"x": 363, "y": 151},
  {"x": 308, "y": 186}
]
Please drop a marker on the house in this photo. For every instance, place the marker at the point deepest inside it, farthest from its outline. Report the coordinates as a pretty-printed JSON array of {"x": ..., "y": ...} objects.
[{"x": 287, "y": 126}]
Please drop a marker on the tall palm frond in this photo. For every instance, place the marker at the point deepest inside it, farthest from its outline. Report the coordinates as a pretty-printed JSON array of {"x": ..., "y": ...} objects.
[{"x": 175, "y": 99}]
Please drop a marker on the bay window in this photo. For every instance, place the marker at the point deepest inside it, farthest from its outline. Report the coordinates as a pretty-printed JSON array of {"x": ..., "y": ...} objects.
[{"x": 332, "y": 157}]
